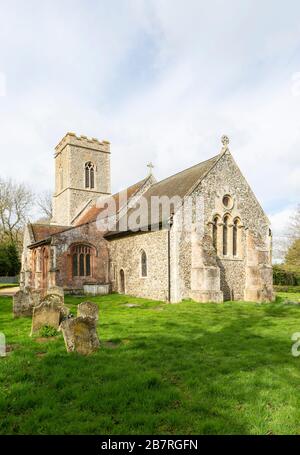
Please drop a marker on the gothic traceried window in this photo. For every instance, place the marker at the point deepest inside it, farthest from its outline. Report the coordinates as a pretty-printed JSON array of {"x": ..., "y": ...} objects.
[
  {"x": 144, "y": 264},
  {"x": 81, "y": 260},
  {"x": 89, "y": 175}
]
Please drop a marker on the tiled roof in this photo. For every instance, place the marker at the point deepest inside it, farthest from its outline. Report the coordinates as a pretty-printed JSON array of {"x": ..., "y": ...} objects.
[
  {"x": 176, "y": 185},
  {"x": 93, "y": 212},
  {"x": 43, "y": 231}
]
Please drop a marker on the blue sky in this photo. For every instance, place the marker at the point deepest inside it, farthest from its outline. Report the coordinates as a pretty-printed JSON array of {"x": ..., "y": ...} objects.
[{"x": 162, "y": 80}]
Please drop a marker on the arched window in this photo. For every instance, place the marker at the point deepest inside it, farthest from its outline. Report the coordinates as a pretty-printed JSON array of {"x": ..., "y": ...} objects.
[
  {"x": 215, "y": 233},
  {"x": 89, "y": 175},
  {"x": 81, "y": 260},
  {"x": 144, "y": 263},
  {"x": 225, "y": 236},
  {"x": 122, "y": 282},
  {"x": 235, "y": 238}
]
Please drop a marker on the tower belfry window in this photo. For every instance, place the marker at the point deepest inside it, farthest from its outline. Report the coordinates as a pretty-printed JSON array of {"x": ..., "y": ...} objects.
[{"x": 89, "y": 175}]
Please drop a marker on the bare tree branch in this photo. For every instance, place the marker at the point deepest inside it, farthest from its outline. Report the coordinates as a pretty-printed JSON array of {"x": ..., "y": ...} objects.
[
  {"x": 16, "y": 201},
  {"x": 294, "y": 225},
  {"x": 44, "y": 203}
]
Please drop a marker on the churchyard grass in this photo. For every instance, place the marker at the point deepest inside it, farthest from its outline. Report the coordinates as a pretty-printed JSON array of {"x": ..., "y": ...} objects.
[{"x": 162, "y": 369}]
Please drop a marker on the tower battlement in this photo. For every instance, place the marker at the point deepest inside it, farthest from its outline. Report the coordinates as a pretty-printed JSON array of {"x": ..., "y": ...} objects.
[{"x": 82, "y": 141}]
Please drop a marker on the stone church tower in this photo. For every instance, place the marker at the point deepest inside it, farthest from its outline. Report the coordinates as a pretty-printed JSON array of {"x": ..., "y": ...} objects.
[{"x": 82, "y": 174}]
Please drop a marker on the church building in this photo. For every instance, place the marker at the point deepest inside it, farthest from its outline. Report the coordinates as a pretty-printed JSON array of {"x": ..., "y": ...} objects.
[{"x": 223, "y": 254}]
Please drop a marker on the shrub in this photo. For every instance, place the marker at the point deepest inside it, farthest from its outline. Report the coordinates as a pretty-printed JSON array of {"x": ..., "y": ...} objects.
[
  {"x": 284, "y": 277},
  {"x": 282, "y": 288}
]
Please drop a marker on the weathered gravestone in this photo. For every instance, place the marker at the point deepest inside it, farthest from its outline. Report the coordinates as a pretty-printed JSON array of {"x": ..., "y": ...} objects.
[
  {"x": 50, "y": 312},
  {"x": 24, "y": 301},
  {"x": 57, "y": 290},
  {"x": 88, "y": 309},
  {"x": 80, "y": 335}
]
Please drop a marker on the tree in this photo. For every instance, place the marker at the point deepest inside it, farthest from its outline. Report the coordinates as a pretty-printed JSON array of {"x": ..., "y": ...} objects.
[
  {"x": 44, "y": 202},
  {"x": 16, "y": 201},
  {"x": 284, "y": 277},
  {"x": 292, "y": 259},
  {"x": 294, "y": 227},
  {"x": 14, "y": 260},
  {"x": 4, "y": 261},
  {"x": 282, "y": 243},
  {"x": 9, "y": 260}
]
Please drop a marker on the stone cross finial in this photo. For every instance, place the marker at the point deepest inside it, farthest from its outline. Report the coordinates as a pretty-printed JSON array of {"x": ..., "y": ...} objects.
[
  {"x": 150, "y": 166},
  {"x": 225, "y": 140}
]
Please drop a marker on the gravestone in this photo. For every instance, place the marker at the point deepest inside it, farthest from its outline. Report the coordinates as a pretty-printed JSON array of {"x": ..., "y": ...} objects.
[
  {"x": 80, "y": 335},
  {"x": 57, "y": 290},
  {"x": 2, "y": 345},
  {"x": 88, "y": 309},
  {"x": 24, "y": 301},
  {"x": 50, "y": 312}
]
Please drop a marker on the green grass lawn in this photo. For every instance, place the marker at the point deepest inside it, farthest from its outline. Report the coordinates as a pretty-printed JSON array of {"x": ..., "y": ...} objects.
[{"x": 187, "y": 368}]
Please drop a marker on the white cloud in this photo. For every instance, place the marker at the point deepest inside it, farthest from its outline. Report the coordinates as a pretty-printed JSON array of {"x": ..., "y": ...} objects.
[
  {"x": 280, "y": 221},
  {"x": 161, "y": 80}
]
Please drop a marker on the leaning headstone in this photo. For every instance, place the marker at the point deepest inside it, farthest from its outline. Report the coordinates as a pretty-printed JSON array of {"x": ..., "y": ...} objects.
[
  {"x": 24, "y": 302},
  {"x": 80, "y": 335},
  {"x": 89, "y": 310},
  {"x": 51, "y": 312}
]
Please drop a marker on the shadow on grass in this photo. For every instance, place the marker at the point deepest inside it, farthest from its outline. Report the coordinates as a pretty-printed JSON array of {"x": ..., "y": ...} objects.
[{"x": 189, "y": 369}]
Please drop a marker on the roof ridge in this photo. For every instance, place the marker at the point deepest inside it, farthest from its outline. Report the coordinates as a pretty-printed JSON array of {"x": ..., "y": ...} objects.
[
  {"x": 219, "y": 156},
  {"x": 187, "y": 169},
  {"x": 50, "y": 225},
  {"x": 130, "y": 186},
  {"x": 135, "y": 188}
]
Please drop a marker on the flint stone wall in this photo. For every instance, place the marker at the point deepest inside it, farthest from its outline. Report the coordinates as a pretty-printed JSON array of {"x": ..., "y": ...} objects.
[
  {"x": 126, "y": 255},
  {"x": 226, "y": 178}
]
